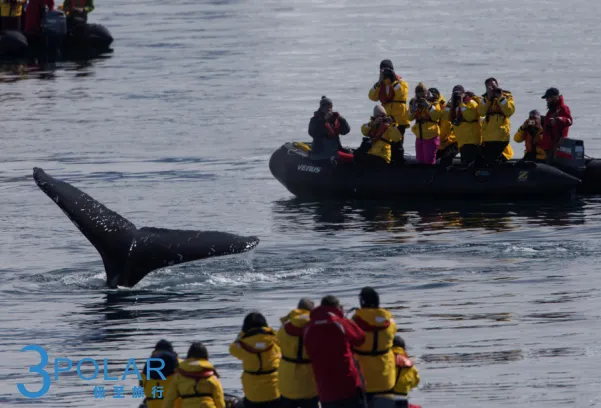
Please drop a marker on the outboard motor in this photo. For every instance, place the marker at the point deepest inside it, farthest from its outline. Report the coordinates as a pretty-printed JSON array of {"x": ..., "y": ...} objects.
[
  {"x": 570, "y": 155},
  {"x": 54, "y": 24}
]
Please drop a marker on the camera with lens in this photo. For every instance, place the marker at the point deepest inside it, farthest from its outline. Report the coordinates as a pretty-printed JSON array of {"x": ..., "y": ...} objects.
[
  {"x": 388, "y": 74},
  {"x": 498, "y": 92}
]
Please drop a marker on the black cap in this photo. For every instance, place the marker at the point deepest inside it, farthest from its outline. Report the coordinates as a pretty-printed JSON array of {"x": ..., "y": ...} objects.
[
  {"x": 386, "y": 64},
  {"x": 458, "y": 88},
  {"x": 551, "y": 92}
]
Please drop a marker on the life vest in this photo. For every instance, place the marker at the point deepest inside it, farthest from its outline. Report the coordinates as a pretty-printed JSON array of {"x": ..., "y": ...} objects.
[
  {"x": 374, "y": 331},
  {"x": 78, "y": 4},
  {"x": 376, "y": 132},
  {"x": 298, "y": 333},
  {"x": 530, "y": 139},
  {"x": 389, "y": 97},
  {"x": 333, "y": 128},
  {"x": 258, "y": 352},
  {"x": 402, "y": 362},
  {"x": 495, "y": 108},
  {"x": 456, "y": 116},
  {"x": 197, "y": 376}
]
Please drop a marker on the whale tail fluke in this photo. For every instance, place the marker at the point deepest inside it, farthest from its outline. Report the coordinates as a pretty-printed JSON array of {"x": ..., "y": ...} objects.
[{"x": 129, "y": 253}]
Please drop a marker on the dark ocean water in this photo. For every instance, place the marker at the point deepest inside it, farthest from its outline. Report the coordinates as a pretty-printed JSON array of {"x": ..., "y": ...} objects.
[{"x": 499, "y": 303}]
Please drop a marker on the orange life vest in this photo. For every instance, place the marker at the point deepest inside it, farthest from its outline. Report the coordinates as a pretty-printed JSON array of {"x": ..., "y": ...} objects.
[
  {"x": 389, "y": 97},
  {"x": 376, "y": 132}
]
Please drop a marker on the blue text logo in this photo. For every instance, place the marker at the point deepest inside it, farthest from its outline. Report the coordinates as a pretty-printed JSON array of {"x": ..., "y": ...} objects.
[{"x": 63, "y": 365}]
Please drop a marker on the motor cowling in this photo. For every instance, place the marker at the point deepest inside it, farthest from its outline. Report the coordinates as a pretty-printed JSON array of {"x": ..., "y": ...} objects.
[
  {"x": 570, "y": 154},
  {"x": 54, "y": 23}
]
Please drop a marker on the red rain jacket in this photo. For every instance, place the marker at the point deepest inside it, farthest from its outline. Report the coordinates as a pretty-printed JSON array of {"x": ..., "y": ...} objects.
[
  {"x": 33, "y": 16},
  {"x": 563, "y": 122},
  {"x": 328, "y": 339}
]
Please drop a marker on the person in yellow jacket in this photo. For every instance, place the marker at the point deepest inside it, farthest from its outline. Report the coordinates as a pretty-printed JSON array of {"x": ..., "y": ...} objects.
[
  {"x": 381, "y": 132},
  {"x": 295, "y": 374},
  {"x": 196, "y": 383},
  {"x": 531, "y": 134},
  {"x": 155, "y": 388},
  {"x": 258, "y": 349},
  {"x": 462, "y": 113},
  {"x": 496, "y": 106},
  {"x": 375, "y": 356},
  {"x": 406, "y": 374},
  {"x": 392, "y": 92},
  {"x": 426, "y": 129},
  {"x": 447, "y": 150},
  {"x": 11, "y": 12}
]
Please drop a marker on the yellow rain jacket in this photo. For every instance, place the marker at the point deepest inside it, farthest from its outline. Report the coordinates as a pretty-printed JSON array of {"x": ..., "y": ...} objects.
[
  {"x": 496, "y": 126},
  {"x": 393, "y": 97},
  {"x": 196, "y": 385},
  {"x": 295, "y": 379},
  {"x": 426, "y": 122},
  {"x": 447, "y": 136},
  {"x": 259, "y": 352},
  {"x": 148, "y": 385},
  {"x": 468, "y": 131},
  {"x": 406, "y": 376},
  {"x": 12, "y": 9},
  {"x": 508, "y": 152},
  {"x": 375, "y": 355},
  {"x": 523, "y": 135},
  {"x": 382, "y": 135}
]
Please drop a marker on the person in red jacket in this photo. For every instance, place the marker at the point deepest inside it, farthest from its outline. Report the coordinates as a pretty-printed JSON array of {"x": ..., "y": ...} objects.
[
  {"x": 328, "y": 340},
  {"x": 556, "y": 123},
  {"x": 33, "y": 16}
]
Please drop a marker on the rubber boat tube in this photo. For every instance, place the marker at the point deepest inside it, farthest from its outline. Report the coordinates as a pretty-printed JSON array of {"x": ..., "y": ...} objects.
[
  {"x": 88, "y": 40},
  {"x": 324, "y": 179}
]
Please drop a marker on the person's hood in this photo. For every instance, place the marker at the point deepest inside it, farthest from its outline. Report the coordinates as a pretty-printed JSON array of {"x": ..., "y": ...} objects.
[
  {"x": 295, "y": 321},
  {"x": 196, "y": 368},
  {"x": 370, "y": 319},
  {"x": 326, "y": 313},
  {"x": 258, "y": 340}
]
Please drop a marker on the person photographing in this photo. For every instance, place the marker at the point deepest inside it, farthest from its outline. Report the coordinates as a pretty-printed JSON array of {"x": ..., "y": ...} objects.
[
  {"x": 462, "y": 113},
  {"x": 426, "y": 129},
  {"x": 531, "y": 133},
  {"x": 496, "y": 106},
  {"x": 392, "y": 92}
]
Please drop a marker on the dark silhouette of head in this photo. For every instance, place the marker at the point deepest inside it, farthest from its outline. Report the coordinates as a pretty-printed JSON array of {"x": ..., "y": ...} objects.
[
  {"x": 198, "y": 350},
  {"x": 163, "y": 345},
  {"x": 253, "y": 320},
  {"x": 330, "y": 301},
  {"x": 398, "y": 342},
  {"x": 305, "y": 304},
  {"x": 369, "y": 297}
]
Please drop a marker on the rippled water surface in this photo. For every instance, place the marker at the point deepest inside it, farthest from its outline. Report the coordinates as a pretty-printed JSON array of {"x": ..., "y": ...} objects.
[{"x": 499, "y": 303}]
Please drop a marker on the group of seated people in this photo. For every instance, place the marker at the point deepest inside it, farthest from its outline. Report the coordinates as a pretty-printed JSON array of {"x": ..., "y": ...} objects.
[
  {"x": 318, "y": 357},
  {"x": 26, "y": 15},
  {"x": 476, "y": 127}
]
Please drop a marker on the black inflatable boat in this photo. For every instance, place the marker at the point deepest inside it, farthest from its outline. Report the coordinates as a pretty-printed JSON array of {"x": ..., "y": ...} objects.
[
  {"x": 325, "y": 179},
  {"x": 81, "y": 40}
]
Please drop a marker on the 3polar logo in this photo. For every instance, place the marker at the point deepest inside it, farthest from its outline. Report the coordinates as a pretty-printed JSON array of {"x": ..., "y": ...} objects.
[{"x": 307, "y": 168}]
